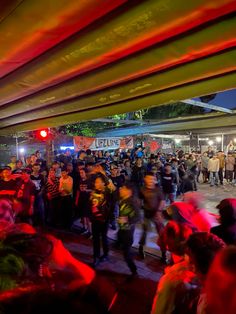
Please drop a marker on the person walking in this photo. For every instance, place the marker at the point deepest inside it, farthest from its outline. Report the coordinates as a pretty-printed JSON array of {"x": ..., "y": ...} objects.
[
  {"x": 153, "y": 204},
  {"x": 126, "y": 221},
  {"x": 213, "y": 168},
  {"x": 229, "y": 167},
  {"x": 101, "y": 203}
]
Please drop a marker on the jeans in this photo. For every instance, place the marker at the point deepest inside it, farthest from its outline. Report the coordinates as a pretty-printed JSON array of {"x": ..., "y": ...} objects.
[
  {"x": 39, "y": 211},
  {"x": 125, "y": 238},
  {"x": 221, "y": 177},
  {"x": 214, "y": 178},
  {"x": 99, "y": 229},
  {"x": 229, "y": 175},
  {"x": 158, "y": 221},
  {"x": 170, "y": 197},
  {"x": 66, "y": 211}
]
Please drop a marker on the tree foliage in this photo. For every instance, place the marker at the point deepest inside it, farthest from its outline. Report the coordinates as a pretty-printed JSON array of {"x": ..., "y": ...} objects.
[
  {"x": 172, "y": 111},
  {"x": 91, "y": 128}
]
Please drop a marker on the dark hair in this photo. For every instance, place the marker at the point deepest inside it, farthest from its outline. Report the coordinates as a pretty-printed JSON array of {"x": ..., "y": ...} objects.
[
  {"x": 203, "y": 247},
  {"x": 88, "y": 152},
  {"x": 64, "y": 168},
  {"x": 129, "y": 185},
  {"x": 227, "y": 209},
  {"x": 100, "y": 176},
  {"x": 27, "y": 170},
  {"x": 80, "y": 163},
  {"x": 36, "y": 164},
  {"x": 150, "y": 173}
]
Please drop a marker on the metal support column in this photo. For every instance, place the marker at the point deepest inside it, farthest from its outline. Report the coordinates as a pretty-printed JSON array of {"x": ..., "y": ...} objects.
[{"x": 17, "y": 148}]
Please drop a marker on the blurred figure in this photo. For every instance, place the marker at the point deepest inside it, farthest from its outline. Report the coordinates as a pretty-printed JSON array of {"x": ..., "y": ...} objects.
[
  {"x": 221, "y": 283},
  {"x": 101, "y": 201},
  {"x": 200, "y": 217},
  {"x": 177, "y": 288},
  {"x": 12, "y": 164},
  {"x": 153, "y": 204},
  {"x": 66, "y": 190},
  {"x": 204, "y": 167},
  {"x": 227, "y": 228},
  {"x": 221, "y": 158},
  {"x": 182, "y": 212},
  {"x": 169, "y": 183},
  {"x": 53, "y": 197},
  {"x": 229, "y": 167},
  {"x": 8, "y": 184},
  {"x": 26, "y": 196},
  {"x": 138, "y": 172},
  {"x": 39, "y": 181},
  {"x": 33, "y": 262},
  {"x": 18, "y": 167},
  {"x": 213, "y": 168},
  {"x": 126, "y": 221},
  {"x": 201, "y": 249},
  {"x": 82, "y": 202}
]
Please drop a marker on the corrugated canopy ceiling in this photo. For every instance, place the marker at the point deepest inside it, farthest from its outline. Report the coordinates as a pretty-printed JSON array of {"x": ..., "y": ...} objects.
[{"x": 66, "y": 61}]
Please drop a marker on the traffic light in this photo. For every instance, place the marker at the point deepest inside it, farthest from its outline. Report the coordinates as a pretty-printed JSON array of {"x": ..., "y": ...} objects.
[{"x": 42, "y": 134}]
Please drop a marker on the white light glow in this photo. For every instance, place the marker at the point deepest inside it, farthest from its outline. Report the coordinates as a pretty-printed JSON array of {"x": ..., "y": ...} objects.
[
  {"x": 218, "y": 139},
  {"x": 66, "y": 147},
  {"x": 22, "y": 150},
  {"x": 234, "y": 140},
  {"x": 210, "y": 142},
  {"x": 177, "y": 140}
]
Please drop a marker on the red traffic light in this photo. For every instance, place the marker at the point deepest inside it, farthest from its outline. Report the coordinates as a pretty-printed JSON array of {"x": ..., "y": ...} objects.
[{"x": 43, "y": 133}]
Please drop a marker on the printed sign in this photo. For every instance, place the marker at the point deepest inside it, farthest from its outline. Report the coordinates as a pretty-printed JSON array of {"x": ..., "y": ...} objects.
[{"x": 83, "y": 143}]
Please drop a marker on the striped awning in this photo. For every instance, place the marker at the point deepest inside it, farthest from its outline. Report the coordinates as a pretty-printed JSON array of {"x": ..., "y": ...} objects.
[{"x": 64, "y": 61}]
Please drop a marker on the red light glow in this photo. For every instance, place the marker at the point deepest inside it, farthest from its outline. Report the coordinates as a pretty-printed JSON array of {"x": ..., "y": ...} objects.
[{"x": 43, "y": 133}]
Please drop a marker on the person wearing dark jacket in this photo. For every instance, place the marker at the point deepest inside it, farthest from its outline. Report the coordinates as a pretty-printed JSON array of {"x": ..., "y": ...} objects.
[
  {"x": 153, "y": 204},
  {"x": 100, "y": 201},
  {"x": 138, "y": 173},
  {"x": 126, "y": 221},
  {"x": 227, "y": 229}
]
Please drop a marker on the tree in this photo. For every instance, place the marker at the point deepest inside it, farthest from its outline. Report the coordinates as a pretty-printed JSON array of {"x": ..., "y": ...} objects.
[{"x": 172, "y": 111}]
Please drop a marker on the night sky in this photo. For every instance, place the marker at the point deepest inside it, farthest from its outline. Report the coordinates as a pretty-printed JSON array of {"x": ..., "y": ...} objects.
[{"x": 225, "y": 99}]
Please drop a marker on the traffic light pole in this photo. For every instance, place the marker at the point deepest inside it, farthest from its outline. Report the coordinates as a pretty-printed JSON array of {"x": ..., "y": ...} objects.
[{"x": 49, "y": 151}]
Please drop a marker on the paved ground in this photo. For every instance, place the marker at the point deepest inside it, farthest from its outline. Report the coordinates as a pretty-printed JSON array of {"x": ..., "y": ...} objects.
[{"x": 135, "y": 296}]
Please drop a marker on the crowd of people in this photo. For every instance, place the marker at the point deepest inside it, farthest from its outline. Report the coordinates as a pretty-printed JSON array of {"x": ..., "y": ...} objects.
[{"x": 117, "y": 191}]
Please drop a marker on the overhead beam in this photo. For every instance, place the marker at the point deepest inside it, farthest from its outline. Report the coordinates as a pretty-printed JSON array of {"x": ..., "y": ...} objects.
[
  {"x": 106, "y": 120},
  {"x": 205, "y": 87},
  {"x": 136, "y": 89},
  {"x": 206, "y": 105},
  {"x": 157, "y": 58},
  {"x": 186, "y": 126}
]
